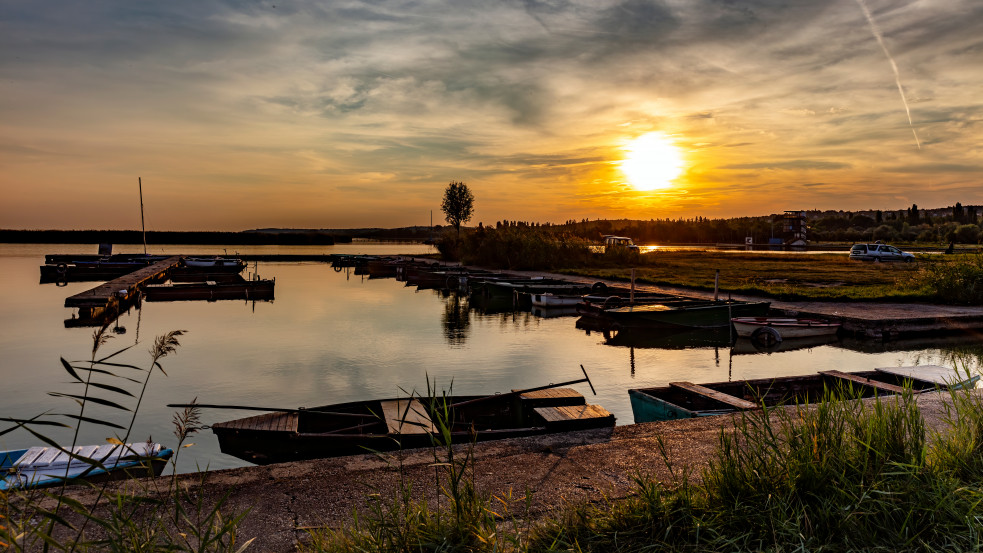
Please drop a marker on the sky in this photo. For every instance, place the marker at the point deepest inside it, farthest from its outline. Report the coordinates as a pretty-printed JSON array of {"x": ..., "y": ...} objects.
[{"x": 342, "y": 114}]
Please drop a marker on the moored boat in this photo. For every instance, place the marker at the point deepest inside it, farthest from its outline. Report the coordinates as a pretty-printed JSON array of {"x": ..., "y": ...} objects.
[
  {"x": 41, "y": 466},
  {"x": 776, "y": 329},
  {"x": 226, "y": 289},
  {"x": 404, "y": 423},
  {"x": 548, "y": 300},
  {"x": 686, "y": 313},
  {"x": 218, "y": 264},
  {"x": 687, "y": 400}
]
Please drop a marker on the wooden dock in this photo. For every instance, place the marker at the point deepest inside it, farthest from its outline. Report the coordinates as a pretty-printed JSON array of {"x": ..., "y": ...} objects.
[{"x": 120, "y": 289}]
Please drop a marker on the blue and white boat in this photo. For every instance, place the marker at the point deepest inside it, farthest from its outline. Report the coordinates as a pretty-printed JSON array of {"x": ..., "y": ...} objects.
[{"x": 38, "y": 467}]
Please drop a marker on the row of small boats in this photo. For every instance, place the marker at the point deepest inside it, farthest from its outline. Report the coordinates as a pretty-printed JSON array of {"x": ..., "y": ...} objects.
[{"x": 280, "y": 435}]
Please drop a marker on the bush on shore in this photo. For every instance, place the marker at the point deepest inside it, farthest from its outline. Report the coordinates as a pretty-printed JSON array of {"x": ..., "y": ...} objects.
[{"x": 957, "y": 281}]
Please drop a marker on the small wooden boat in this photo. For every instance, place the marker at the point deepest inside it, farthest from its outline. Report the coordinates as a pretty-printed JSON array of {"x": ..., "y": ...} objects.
[
  {"x": 686, "y": 400},
  {"x": 686, "y": 313},
  {"x": 405, "y": 423},
  {"x": 770, "y": 330},
  {"x": 38, "y": 467}
]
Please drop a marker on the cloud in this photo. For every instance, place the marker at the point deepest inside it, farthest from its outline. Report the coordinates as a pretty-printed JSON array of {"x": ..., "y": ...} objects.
[
  {"x": 794, "y": 165},
  {"x": 356, "y": 100}
]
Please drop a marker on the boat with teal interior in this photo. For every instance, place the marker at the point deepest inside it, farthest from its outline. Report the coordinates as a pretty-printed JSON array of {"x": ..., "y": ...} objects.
[{"x": 681, "y": 400}]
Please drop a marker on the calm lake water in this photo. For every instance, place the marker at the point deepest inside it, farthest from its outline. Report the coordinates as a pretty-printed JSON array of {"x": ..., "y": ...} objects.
[{"x": 331, "y": 336}]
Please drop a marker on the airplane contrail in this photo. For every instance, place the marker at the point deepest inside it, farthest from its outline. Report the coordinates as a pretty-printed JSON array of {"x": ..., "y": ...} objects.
[{"x": 897, "y": 76}]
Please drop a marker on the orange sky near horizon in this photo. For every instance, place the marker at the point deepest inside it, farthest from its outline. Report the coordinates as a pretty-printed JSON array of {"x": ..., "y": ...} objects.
[{"x": 342, "y": 115}]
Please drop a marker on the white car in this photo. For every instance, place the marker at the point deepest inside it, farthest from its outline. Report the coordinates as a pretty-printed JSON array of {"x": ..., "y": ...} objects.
[{"x": 879, "y": 252}]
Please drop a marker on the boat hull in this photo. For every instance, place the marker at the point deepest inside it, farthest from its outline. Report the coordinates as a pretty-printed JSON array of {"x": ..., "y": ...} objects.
[
  {"x": 678, "y": 400},
  {"x": 260, "y": 290},
  {"x": 709, "y": 314},
  {"x": 42, "y": 467},
  {"x": 368, "y": 426}
]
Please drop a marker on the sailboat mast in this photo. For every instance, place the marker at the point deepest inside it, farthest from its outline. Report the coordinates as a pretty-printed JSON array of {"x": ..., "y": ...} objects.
[{"x": 142, "y": 224}]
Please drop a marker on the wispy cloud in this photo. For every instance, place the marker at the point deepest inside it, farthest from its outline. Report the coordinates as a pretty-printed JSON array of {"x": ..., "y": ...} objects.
[{"x": 351, "y": 113}]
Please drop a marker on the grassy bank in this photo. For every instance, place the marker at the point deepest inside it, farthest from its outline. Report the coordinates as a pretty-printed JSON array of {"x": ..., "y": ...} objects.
[
  {"x": 838, "y": 476},
  {"x": 779, "y": 275},
  {"x": 953, "y": 279}
]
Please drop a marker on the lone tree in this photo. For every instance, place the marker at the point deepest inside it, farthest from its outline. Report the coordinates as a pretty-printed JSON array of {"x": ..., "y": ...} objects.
[{"x": 458, "y": 205}]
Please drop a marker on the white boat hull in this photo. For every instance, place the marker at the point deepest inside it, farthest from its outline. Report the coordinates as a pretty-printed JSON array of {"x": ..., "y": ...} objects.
[{"x": 551, "y": 300}]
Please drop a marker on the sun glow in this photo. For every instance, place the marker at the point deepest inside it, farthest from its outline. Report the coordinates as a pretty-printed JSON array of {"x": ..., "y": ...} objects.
[{"x": 652, "y": 162}]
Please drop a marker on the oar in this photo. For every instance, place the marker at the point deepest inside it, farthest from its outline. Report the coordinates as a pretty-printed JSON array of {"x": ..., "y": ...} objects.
[
  {"x": 536, "y": 389},
  {"x": 274, "y": 409}
]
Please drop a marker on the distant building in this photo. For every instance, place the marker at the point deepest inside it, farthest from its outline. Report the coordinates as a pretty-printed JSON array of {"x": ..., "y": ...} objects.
[{"x": 794, "y": 228}]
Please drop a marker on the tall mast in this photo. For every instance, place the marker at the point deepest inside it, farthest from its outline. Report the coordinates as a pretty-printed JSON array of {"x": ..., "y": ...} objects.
[{"x": 142, "y": 224}]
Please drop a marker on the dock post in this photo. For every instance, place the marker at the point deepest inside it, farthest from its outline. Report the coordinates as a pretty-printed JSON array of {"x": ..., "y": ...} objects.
[{"x": 716, "y": 286}]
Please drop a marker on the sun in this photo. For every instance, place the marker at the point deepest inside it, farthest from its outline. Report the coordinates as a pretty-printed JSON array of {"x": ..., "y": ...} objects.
[{"x": 652, "y": 162}]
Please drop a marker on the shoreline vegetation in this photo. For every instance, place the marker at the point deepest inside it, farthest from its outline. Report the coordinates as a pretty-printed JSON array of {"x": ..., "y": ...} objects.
[
  {"x": 840, "y": 475},
  {"x": 945, "y": 279}
]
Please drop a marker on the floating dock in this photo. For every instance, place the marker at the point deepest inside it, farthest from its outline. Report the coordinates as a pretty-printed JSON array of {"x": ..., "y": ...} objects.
[{"x": 120, "y": 290}]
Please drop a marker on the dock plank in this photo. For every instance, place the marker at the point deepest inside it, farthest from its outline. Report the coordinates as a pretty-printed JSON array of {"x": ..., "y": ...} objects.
[
  {"x": 735, "y": 402},
  {"x": 122, "y": 287}
]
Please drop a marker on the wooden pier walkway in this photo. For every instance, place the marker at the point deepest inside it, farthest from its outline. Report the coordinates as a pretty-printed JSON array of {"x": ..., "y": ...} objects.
[{"x": 122, "y": 288}]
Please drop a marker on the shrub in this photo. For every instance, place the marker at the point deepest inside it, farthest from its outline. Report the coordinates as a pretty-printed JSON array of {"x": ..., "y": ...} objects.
[{"x": 955, "y": 281}]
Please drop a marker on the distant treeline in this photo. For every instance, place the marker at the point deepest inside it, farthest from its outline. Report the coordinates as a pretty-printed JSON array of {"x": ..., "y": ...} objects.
[
  {"x": 281, "y": 237},
  {"x": 169, "y": 237},
  {"x": 959, "y": 224}
]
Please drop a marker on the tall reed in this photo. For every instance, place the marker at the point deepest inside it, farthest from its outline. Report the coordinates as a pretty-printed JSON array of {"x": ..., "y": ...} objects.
[
  {"x": 137, "y": 515},
  {"x": 462, "y": 518}
]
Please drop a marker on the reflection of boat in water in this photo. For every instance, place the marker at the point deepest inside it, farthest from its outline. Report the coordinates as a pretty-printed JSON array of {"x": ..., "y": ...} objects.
[
  {"x": 769, "y": 330},
  {"x": 686, "y": 400},
  {"x": 745, "y": 346},
  {"x": 41, "y": 466},
  {"x": 385, "y": 425}
]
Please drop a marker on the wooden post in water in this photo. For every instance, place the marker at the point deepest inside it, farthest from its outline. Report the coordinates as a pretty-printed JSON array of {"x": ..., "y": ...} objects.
[
  {"x": 716, "y": 286},
  {"x": 142, "y": 224}
]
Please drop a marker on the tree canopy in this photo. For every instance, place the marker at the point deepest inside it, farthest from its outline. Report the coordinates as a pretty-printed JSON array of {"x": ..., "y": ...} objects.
[{"x": 458, "y": 204}]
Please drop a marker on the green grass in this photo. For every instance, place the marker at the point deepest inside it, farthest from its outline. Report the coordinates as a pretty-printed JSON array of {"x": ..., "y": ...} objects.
[{"x": 790, "y": 276}]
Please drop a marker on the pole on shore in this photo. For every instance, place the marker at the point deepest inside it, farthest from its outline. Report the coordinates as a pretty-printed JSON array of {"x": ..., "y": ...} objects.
[{"x": 716, "y": 286}]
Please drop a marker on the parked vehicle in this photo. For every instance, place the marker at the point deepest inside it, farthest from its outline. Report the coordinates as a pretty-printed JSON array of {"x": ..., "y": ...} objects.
[
  {"x": 614, "y": 242},
  {"x": 879, "y": 252}
]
